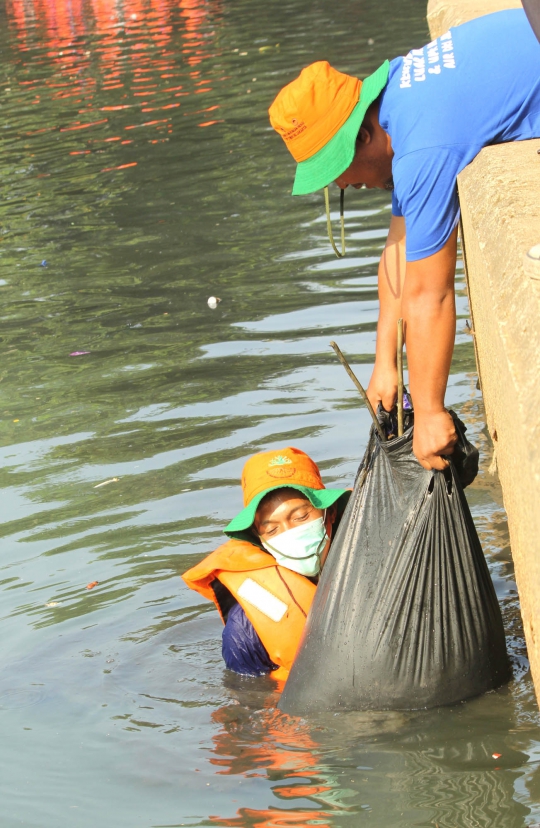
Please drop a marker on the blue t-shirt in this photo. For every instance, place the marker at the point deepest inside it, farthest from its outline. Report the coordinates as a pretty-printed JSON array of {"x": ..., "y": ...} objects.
[{"x": 477, "y": 84}]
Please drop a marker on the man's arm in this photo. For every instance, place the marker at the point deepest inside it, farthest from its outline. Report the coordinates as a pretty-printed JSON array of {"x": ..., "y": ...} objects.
[
  {"x": 383, "y": 384},
  {"x": 422, "y": 292},
  {"x": 429, "y": 315}
]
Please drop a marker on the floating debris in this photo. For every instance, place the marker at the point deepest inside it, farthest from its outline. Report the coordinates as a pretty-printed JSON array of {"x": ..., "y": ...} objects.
[
  {"x": 106, "y": 482},
  {"x": 496, "y": 755},
  {"x": 44, "y": 263},
  {"x": 79, "y": 353},
  {"x": 370, "y": 41},
  {"x": 213, "y": 301},
  {"x": 92, "y": 585},
  {"x": 54, "y": 604}
]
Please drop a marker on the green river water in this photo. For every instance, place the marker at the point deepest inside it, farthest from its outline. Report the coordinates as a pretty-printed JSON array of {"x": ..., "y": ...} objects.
[{"x": 139, "y": 176}]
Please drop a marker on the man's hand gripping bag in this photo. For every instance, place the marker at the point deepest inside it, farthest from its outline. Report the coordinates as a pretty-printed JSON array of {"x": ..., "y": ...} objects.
[{"x": 405, "y": 615}]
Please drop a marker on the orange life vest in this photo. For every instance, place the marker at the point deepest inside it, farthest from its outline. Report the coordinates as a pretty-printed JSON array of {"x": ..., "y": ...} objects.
[{"x": 275, "y": 599}]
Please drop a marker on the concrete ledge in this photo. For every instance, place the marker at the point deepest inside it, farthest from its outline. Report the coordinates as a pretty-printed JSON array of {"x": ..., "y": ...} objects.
[{"x": 500, "y": 203}]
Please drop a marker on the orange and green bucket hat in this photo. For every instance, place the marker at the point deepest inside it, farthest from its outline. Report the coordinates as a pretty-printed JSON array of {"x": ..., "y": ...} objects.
[
  {"x": 288, "y": 468},
  {"x": 319, "y": 115}
]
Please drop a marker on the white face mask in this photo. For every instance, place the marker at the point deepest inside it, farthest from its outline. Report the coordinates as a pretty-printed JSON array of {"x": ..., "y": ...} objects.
[{"x": 300, "y": 549}]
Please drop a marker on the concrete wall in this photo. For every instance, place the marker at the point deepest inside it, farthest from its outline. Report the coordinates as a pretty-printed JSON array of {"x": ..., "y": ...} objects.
[{"x": 500, "y": 202}]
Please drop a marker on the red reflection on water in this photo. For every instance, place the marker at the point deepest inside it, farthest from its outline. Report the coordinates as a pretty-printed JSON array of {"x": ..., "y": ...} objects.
[
  {"x": 281, "y": 744},
  {"x": 273, "y": 818},
  {"x": 120, "y": 167},
  {"x": 269, "y": 744},
  {"x": 83, "y": 126},
  {"x": 112, "y": 56},
  {"x": 295, "y": 791}
]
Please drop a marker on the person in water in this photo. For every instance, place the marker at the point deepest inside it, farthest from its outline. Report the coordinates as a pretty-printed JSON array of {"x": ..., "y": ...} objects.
[{"x": 263, "y": 579}]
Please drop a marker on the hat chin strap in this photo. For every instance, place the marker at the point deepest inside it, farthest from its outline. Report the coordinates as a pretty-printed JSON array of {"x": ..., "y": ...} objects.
[{"x": 341, "y": 219}]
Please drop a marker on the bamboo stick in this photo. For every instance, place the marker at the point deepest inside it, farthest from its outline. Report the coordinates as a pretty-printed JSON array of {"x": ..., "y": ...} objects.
[
  {"x": 400, "y": 377},
  {"x": 360, "y": 388}
]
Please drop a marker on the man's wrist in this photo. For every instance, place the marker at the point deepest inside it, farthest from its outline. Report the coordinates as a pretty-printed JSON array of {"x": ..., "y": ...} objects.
[
  {"x": 424, "y": 411},
  {"x": 385, "y": 362}
]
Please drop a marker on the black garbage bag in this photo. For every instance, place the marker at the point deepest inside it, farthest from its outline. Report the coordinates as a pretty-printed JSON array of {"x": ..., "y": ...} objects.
[{"x": 405, "y": 615}]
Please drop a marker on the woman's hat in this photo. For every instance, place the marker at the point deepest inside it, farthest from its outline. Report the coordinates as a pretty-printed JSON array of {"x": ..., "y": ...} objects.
[
  {"x": 319, "y": 116},
  {"x": 288, "y": 467}
]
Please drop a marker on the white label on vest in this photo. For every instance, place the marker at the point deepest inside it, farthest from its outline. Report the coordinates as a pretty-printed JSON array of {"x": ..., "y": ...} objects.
[{"x": 261, "y": 599}]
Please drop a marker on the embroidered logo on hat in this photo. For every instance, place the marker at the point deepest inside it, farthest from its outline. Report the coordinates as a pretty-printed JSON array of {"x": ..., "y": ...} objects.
[
  {"x": 281, "y": 472},
  {"x": 280, "y": 460},
  {"x": 295, "y": 131},
  {"x": 281, "y": 466}
]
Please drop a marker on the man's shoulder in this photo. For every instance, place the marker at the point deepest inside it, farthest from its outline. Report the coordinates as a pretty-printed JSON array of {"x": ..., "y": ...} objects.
[{"x": 458, "y": 61}]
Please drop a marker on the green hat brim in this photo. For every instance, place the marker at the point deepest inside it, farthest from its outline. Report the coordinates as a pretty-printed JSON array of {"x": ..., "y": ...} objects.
[
  {"x": 319, "y": 498},
  {"x": 333, "y": 159}
]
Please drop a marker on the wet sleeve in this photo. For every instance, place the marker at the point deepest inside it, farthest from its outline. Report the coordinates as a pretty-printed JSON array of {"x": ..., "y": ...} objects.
[
  {"x": 425, "y": 185},
  {"x": 242, "y": 648}
]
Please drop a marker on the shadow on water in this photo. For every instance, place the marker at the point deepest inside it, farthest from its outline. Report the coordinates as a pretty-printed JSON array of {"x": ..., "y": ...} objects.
[{"x": 140, "y": 177}]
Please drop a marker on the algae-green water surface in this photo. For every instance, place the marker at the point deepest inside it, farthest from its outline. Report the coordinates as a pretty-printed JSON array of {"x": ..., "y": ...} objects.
[{"x": 139, "y": 176}]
